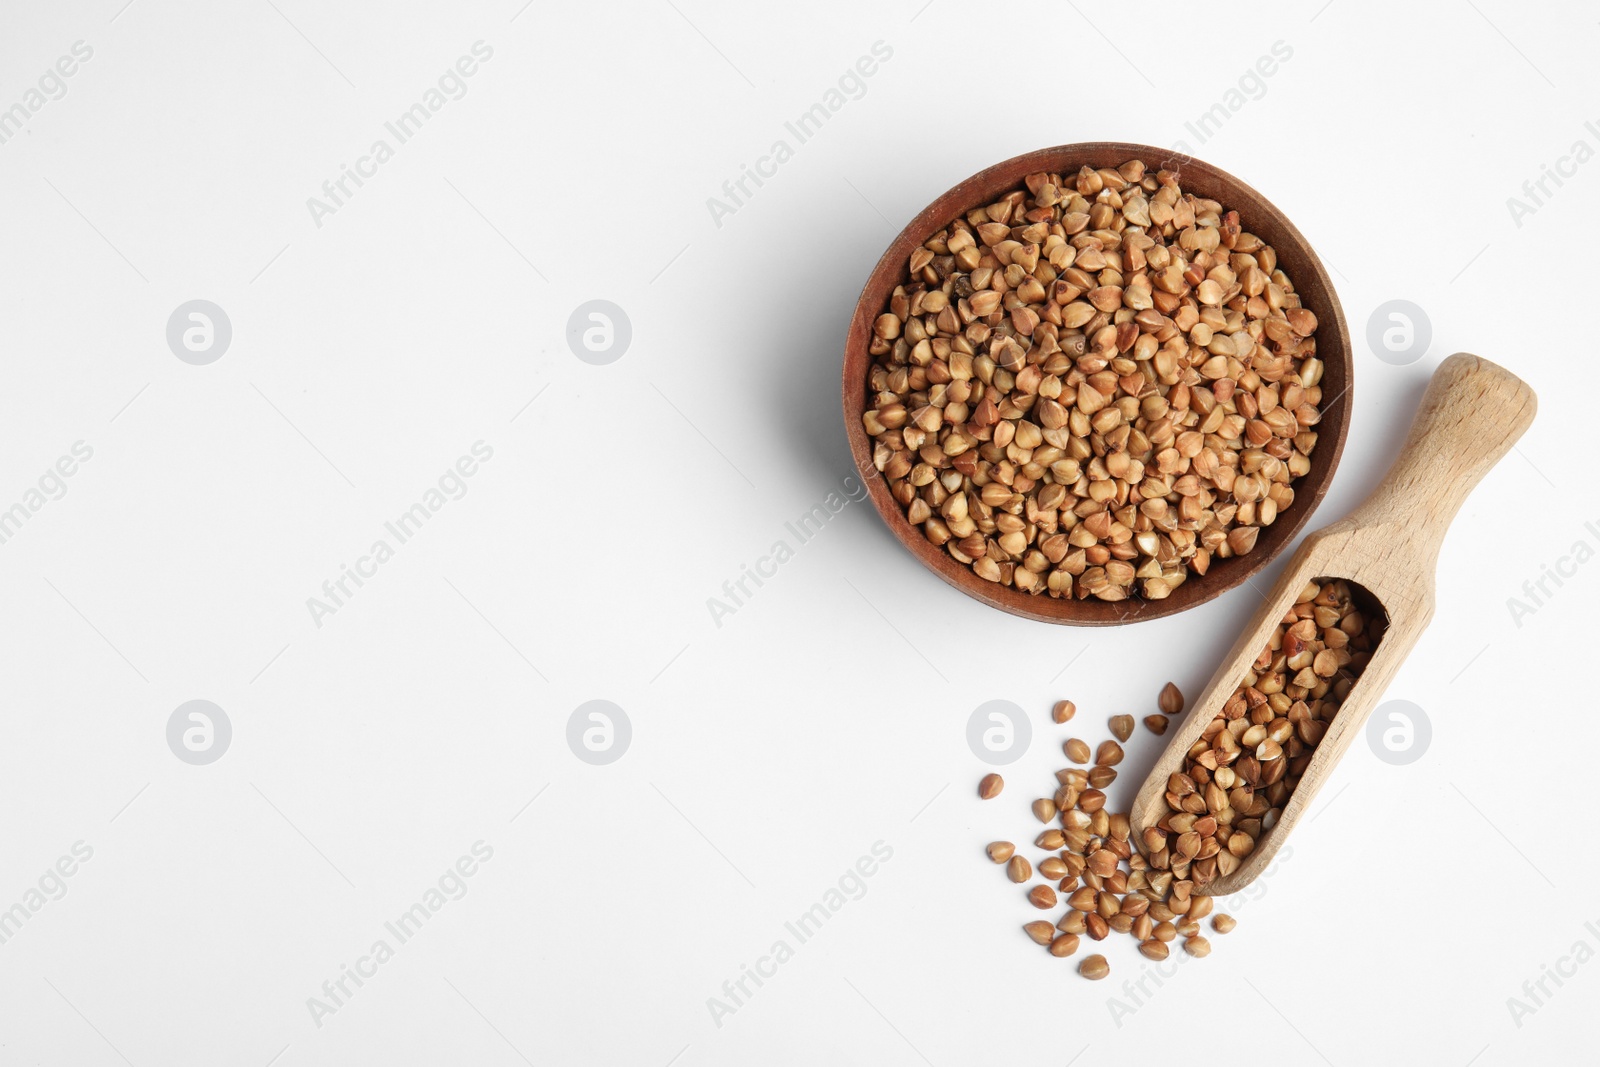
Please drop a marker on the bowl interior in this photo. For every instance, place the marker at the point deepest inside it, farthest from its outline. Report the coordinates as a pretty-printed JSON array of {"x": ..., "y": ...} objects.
[{"x": 1258, "y": 216}]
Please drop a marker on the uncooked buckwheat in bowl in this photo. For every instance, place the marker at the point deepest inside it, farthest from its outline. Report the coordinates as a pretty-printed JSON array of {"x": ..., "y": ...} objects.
[{"x": 1095, "y": 393}]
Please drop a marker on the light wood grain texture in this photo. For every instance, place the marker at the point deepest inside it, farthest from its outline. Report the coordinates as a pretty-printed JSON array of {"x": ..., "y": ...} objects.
[{"x": 1470, "y": 416}]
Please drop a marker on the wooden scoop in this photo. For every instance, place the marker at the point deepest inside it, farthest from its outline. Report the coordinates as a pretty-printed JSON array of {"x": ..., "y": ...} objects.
[{"x": 1471, "y": 415}]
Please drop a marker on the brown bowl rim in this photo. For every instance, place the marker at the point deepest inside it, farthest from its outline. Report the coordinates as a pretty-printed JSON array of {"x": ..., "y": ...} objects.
[{"x": 1260, "y": 216}]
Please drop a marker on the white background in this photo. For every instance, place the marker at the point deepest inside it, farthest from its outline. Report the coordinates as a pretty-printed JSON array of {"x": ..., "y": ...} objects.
[{"x": 771, "y": 753}]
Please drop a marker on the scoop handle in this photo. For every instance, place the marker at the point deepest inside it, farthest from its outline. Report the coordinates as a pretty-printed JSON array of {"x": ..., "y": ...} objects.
[{"x": 1471, "y": 415}]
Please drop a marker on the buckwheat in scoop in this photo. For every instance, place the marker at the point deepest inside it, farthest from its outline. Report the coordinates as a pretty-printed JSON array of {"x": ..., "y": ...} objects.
[{"x": 1235, "y": 781}]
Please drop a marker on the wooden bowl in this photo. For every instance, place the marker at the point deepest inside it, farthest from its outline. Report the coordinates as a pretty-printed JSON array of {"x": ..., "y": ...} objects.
[{"x": 1258, "y": 216}]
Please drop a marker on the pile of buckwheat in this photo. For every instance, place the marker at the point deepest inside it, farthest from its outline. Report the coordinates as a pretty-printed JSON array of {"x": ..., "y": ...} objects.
[
  {"x": 1094, "y": 386},
  {"x": 1236, "y": 779}
]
